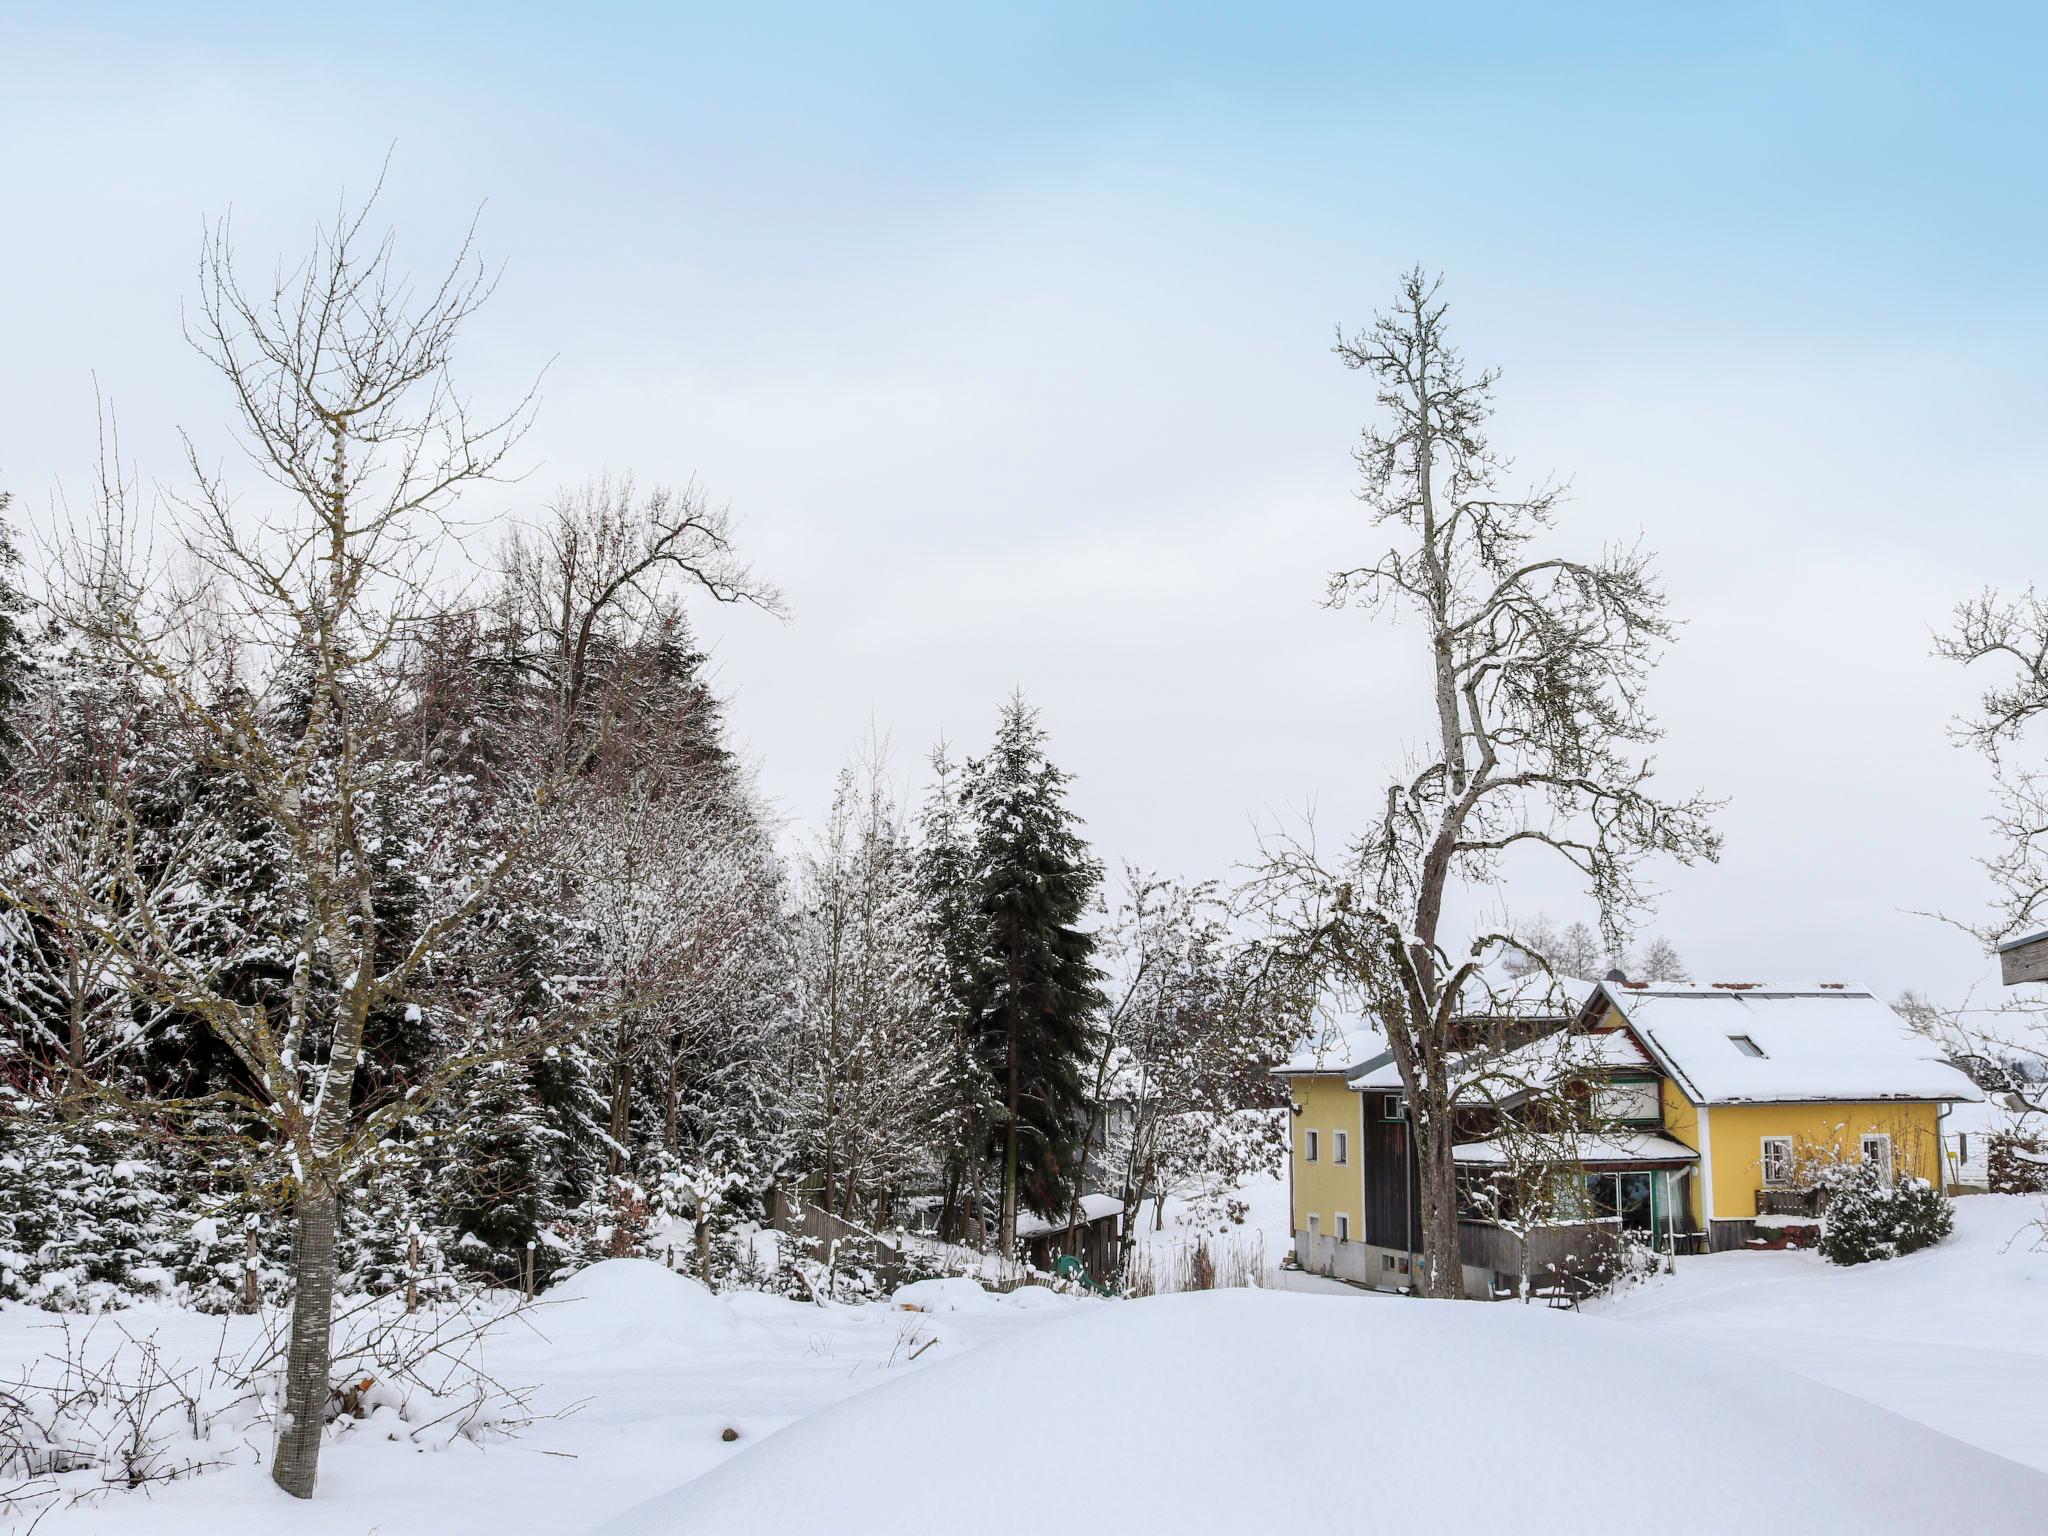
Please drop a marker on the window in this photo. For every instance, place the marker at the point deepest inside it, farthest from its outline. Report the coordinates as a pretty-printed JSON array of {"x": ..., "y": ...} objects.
[
  {"x": 1342, "y": 1149},
  {"x": 1744, "y": 1044},
  {"x": 1877, "y": 1148},
  {"x": 1393, "y": 1107},
  {"x": 1343, "y": 1227},
  {"x": 1628, "y": 1099},
  {"x": 1315, "y": 1226},
  {"x": 1314, "y": 1146},
  {"x": 1777, "y": 1161}
]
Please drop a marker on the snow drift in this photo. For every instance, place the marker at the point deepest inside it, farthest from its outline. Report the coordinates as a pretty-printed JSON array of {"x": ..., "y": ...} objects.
[
  {"x": 629, "y": 1305},
  {"x": 1248, "y": 1410}
]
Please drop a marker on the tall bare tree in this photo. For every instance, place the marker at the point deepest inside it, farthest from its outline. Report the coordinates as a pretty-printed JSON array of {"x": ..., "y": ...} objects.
[
  {"x": 2004, "y": 1045},
  {"x": 301, "y": 604},
  {"x": 1539, "y": 733}
]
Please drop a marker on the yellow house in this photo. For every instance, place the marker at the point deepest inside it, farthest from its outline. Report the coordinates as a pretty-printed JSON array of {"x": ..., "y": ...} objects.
[
  {"x": 1763, "y": 1083},
  {"x": 1723, "y": 1100},
  {"x": 1325, "y": 1185}
]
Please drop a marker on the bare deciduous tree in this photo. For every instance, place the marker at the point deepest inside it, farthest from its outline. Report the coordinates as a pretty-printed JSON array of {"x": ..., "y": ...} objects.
[
  {"x": 2004, "y": 1045},
  {"x": 302, "y": 612},
  {"x": 1539, "y": 733}
]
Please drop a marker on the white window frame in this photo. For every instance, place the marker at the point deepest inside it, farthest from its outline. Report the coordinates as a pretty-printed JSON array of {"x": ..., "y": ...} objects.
[
  {"x": 1343, "y": 1226},
  {"x": 1312, "y": 1147},
  {"x": 1883, "y": 1141},
  {"x": 1783, "y": 1180},
  {"x": 1341, "y": 1148}
]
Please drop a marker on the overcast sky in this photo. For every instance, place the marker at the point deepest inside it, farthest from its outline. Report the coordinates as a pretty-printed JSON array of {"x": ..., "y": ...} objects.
[{"x": 1009, "y": 340}]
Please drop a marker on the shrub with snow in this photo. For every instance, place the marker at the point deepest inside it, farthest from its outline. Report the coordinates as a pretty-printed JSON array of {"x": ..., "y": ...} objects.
[{"x": 1869, "y": 1217}]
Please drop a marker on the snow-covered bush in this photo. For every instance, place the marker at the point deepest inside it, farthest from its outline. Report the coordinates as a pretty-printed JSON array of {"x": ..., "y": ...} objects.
[
  {"x": 2016, "y": 1165},
  {"x": 1869, "y": 1217},
  {"x": 84, "y": 1219},
  {"x": 1922, "y": 1215}
]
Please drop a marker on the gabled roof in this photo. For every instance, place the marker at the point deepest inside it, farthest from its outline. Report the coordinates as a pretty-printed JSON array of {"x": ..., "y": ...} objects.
[
  {"x": 1356, "y": 1046},
  {"x": 1547, "y": 1058},
  {"x": 1812, "y": 1043}
]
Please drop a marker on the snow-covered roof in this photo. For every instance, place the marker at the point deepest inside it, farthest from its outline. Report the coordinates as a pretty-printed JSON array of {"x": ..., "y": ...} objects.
[
  {"x": 1765, "y": 1043},
  {"x": 1544, "y": 1059},
  {"x": 1093, "y": 1208},
  {"x": 1337, "y": 1045},
  {"x": 1355, "y": 1044},
  {"x": 1647, "y": 1147}
]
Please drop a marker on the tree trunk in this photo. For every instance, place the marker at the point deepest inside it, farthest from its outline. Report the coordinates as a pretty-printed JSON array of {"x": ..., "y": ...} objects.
[
  {"x": 1008, "y": 1234},
  {"x": 1443, "y": 1274},
  {"x": 622, "y": 1105},
  {"x": 297, "y": 1459}
]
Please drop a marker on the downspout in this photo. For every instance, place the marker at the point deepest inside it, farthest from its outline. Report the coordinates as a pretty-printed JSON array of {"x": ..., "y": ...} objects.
[
  {"x": 1707, "y": 1176},
  {"x": 1942, "y": 1111},
  {"x": 1408, "y": 1194}
]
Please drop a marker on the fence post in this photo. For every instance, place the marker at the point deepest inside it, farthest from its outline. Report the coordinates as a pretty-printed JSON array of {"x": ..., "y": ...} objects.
[
  {"x": 249, "y": 1293},
  {"x": 412, "y": 1266},
  {"x": 527, "y": 1287}
]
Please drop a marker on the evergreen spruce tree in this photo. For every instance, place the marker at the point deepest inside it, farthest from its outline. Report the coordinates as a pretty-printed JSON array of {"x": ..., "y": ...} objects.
[
  {"x": 1033, "y": 878},
  {"x": 950, "y": 920}
]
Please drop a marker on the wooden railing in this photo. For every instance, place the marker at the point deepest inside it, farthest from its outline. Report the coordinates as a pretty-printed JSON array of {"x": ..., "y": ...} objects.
[{"x": 1790, "y": 1202}]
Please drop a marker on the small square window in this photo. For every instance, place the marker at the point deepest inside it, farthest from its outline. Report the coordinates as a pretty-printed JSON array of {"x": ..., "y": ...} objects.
[
  {"x": 1393, "y": 1107},
  {"x": 1744, "y": 1044}
]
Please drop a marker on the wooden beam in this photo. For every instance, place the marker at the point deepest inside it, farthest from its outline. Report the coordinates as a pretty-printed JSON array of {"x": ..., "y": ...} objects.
[{"x": 2024, "y": 960}]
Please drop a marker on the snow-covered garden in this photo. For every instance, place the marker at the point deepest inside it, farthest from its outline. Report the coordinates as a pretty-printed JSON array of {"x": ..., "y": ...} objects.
[{"x": 1893, "y": 1396}]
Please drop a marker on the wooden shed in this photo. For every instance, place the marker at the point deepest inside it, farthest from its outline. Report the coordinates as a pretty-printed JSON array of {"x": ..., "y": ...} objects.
[
  {"x": 2024, "y": 959},
  {"x": 1095, "y": 1238}
]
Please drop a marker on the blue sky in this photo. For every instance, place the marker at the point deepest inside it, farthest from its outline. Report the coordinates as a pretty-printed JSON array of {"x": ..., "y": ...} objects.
[{"x": 1007, "y": 334}]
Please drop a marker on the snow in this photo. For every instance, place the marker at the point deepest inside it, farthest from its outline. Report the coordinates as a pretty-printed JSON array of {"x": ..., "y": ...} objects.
[
  {"x": 1221, "y": 1411},
  {"x": 1253, "y": 1246},
  {"x": 1093, "y": 1208},
  {"x": 630, "y": 1305},
  {"x": 1644, "y": 1148},
  {"x": 1870, "y": 1399},
  {"x": 1819, "y": 1043},
  {"x": 1955, "y": 1336},
  {"x": 638, "y": 1374},
  {"x": 951, "y": 1293},
  {"x": 1336, "y": 1044}
]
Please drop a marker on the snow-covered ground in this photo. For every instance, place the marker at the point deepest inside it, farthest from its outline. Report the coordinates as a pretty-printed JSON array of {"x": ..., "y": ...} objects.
[
  {"x": 647, "y": 1369},
  {"x": 1251, "y": 1247},
  {"x": 1955, "y": 1336},
  {"x": 1248, "y": 1410},
  {"x": 1867, "y": 1399}
]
